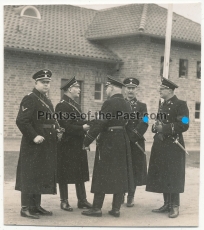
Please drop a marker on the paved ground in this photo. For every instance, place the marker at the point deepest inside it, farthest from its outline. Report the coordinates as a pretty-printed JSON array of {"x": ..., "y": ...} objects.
[{"x": 139, "y": 215}]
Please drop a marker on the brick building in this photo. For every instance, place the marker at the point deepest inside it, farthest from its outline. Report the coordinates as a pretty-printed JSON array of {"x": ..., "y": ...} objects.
[{"x": 122, "y": 41}]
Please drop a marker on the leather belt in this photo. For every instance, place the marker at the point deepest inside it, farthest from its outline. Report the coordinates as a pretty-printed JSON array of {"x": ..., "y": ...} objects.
[
  {"x": 48, "y": 126},
  {"x": 115, "y": 127}
]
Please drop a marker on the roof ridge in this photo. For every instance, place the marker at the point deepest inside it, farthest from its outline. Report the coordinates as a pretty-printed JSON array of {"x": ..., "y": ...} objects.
[
  {"x": 143, "y": 18},
  {"x": 96, "y": 14}
]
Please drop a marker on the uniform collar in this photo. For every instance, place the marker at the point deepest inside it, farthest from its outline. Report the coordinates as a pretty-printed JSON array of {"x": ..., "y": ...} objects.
[
  {"x": 171, "y": 100},
  {"x": 40, "y": 95},
  {"x": 132, "y": 101},
  {"x": 117, "y": 95},
  {"x": 68, "y": 99}
]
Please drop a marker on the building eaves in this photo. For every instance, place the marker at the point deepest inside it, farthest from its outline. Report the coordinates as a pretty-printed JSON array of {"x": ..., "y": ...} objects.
[
  {"x": 147, "y": 19},
  {"x": 60, "y": 31}
]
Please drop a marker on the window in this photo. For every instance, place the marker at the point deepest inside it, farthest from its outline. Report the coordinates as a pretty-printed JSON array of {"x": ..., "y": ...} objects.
[
  {"x": 98, "y": 92},
  {"x": 31, "y": 12},
  {"x": 183, "y": 68},
  {"x": 198, "y": 69},
  {"x": 197, "y": 110}
]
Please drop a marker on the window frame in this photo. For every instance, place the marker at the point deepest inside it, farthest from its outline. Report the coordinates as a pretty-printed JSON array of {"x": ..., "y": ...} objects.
[
  {"x": 186, "y": 75},
  {"x": 98, "y": 100},
  {"x": 196, "y": 111},
  {"x": 197, "y": 63},
  {"x": 38, "y": 16}
]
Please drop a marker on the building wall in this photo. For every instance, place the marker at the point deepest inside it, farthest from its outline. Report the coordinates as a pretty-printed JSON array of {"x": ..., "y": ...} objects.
[
  {"x": 19, "y": 68},
  {"x": 141, "y": 56}
]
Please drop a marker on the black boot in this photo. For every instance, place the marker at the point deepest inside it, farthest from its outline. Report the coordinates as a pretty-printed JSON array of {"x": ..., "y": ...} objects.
[
  {"x": 25, "y": 212},
  {"x": 130, "y": 198},
  {"x": 38, "y": 210},
  {"x": 27, "y": 201},
  {"x": 123, "y": 199},
  {"x": 130, "y": 201},
  {"x": 95, "y": 211},
  {"x": 63, "y": 188},
  {"x": 116, "y": 204},
  {"x": 66, "y": 206},
  {"x": 84, "y": 204},
  {"x": 165, "y": 207},
  {"x": 81, "y": 195},
  {"x": 174, "y": 211},
  {"x": 174, "y": 205}
]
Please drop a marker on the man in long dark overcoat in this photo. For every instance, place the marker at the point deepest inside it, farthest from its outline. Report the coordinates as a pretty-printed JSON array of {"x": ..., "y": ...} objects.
[
  {"x": 112, "y": 172},
  {"x": 136, "y": 128},
  {"x": 72, "y": 162},
  {"x": 166, "y": 172},
  {"x": 36, "y": 170}
]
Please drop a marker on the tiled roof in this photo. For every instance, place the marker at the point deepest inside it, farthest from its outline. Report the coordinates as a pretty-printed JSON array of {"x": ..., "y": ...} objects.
[
  {"x": 116, "y": 21},
  {"x": 149, "y": 19},
  {"x": 61, "y": 30}
]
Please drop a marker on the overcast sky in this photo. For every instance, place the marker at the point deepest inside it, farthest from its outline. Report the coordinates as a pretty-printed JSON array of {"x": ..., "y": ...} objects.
[{"x": 188, "y": 10}]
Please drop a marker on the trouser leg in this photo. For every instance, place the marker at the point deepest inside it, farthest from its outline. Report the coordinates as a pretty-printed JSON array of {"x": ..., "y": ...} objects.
[
  {"x": 116, "y": 204},
  {"x": 130, "y": 197},
  {"x": 174, "y": 203},
  {"x": 27, "y": 200},
  {"x": 166, "y": 197},
  {"x": 63, "y": 188},
  {"x": 98, "y": 200},
  {"x": 131, "y": 194},
  {"x": 81, "y": 195},
  {"x": 166, "y": 205},
  {"x": 37, "y": 199},
  {"x": 27, "y": 203},
  {"x": 97, "y": 205},
  {"x": 175, "y": 199},
  {"x": 80, "y": 191}
]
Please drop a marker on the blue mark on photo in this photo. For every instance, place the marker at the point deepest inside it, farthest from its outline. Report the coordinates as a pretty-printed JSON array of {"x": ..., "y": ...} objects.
[
  {"x": 185, "y": 120},
  {"x": 145, "y": 119}
]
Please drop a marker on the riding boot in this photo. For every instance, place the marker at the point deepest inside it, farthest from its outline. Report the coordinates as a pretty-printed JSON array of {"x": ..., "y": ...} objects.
[
  {"x": 165, "y": 207},
  {"x": 174, "y": 205},
  {"x": 63, "y": 188},
  {"x": 81, "y": 195},
  {"x": 97, "y": 205}
]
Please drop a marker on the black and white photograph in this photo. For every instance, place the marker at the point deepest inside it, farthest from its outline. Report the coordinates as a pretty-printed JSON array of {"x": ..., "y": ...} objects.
[{"x": 101, "y": 114}]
